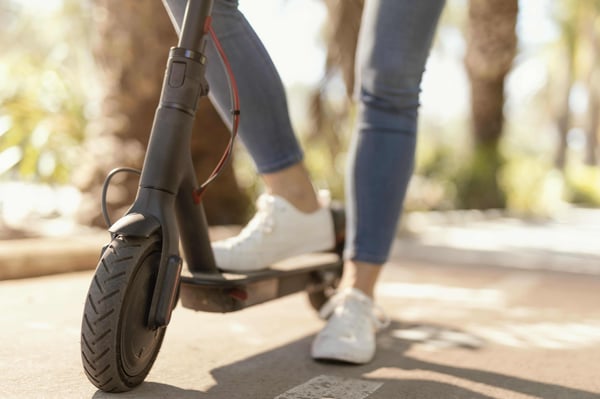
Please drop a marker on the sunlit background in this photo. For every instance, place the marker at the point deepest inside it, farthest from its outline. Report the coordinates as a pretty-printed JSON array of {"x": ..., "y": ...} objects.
[{"x": 50, "y": 93}]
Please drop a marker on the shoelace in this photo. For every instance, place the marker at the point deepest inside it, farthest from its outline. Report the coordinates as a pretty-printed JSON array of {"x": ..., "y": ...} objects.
[
  {"x": 378, "y": 316},
  {"x": 262, "y": 221}
]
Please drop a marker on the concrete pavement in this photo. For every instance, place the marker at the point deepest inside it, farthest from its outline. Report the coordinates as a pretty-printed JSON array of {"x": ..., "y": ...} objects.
[{"x": 457, "y": 332}]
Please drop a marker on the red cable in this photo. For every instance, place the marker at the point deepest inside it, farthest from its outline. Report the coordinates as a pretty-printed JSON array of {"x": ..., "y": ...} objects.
[
  {"x": 235, "y": 112},
  {"x": 234, "y": 88}
]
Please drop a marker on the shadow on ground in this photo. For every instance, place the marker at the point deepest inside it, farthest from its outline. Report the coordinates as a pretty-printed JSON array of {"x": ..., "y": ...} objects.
[{"x": 270, "y": 374}]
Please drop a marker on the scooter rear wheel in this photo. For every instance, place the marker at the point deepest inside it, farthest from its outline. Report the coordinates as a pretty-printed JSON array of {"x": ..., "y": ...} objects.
[
  {"x": 327, "y": 283},
  {"x": 117, "y": 347}
]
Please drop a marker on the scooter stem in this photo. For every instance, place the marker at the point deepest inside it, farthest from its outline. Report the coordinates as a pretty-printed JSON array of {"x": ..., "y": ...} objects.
[{"x": 168, "y": 181}]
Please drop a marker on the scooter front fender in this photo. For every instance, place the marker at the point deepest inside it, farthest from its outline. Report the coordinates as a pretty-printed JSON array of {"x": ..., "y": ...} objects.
[{"x": 136, "y": 225}]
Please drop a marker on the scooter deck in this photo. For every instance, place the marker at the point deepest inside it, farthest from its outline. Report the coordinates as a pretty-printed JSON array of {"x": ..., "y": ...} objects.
[{"x": 227, "y": 292}]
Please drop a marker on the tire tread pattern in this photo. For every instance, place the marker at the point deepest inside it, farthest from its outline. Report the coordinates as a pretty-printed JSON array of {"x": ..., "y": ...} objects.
[{"x": 102, "y": 310}]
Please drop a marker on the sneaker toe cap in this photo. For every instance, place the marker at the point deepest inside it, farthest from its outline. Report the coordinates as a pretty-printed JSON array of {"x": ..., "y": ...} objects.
[
  {"x": 222, "y": 255},
  {"x": 345, "y": 348},
  {"x": 234, "y": 259}
]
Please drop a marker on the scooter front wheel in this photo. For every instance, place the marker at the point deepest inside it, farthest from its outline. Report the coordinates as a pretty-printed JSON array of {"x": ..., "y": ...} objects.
[{"x": 117, "y": 347}]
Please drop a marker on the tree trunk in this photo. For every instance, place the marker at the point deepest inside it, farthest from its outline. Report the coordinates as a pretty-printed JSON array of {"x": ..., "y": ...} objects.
[
  {"x": 591, "y": 150},
  {"x": 563, "y": 117},
  {"x": 343, "y": 26},
  {"x": 131, "y": 48},
  {"x": 591, "y": 156},
  {"x": 563, "y": 123},
  {"x": 491, "y": 49},
  {"x": 341, "y": 37},
  {"x": 329, "y": 120}
]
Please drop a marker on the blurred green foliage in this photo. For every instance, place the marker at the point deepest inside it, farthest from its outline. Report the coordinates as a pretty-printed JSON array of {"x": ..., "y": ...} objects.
[
  {"x": 44, "y": 96},
  {"x": 532, "y": 186},
  {"x": 583, "y": 185}
]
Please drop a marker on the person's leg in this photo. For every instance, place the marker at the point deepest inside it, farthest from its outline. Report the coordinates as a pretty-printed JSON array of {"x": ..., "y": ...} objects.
[
  {"x": 265, "y": 126},
  {"x": 394, "y": 43},
  {"x": 362, "y": 276},
  {"x": 293, "y": 184},
  {"x": 395, "y": 39},
  {"x": 289, "y": 219}
]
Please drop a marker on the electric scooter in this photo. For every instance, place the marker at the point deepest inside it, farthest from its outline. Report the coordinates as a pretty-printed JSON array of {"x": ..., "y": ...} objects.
[{"x": 141, "y": 275}]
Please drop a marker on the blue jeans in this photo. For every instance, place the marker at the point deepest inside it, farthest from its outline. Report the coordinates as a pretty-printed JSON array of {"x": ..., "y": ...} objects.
[{"x": 394, "y": 43}]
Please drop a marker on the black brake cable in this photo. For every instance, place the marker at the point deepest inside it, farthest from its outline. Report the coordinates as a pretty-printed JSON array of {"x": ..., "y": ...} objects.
[{"x": 105, "y": 186}]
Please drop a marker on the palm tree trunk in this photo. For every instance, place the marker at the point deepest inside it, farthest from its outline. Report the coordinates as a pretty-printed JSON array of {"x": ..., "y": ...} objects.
[
  {"x": 563, "y": 123},
  {"x": 491, "y": 49},
  {"x": 563, "y": 118},
  {"x": 591, "y": 156},
  {"x": 131, "y": 48}
]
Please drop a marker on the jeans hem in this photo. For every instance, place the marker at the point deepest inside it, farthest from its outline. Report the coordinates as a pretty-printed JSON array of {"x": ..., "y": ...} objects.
[
  {"x": 365, "y": 257},
  {"x": 280, "y": 164}
]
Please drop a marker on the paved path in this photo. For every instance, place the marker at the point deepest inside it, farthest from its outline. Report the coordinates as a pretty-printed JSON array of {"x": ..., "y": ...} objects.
[
  {"x": 457, "y": 332},
  {"x": 567, "y": 242}
]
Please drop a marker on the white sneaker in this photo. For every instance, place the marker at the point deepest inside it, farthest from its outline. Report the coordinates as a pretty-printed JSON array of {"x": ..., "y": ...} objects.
[
  {"x": 277, "y": 231},
  {"x": 349, "y": 334}
]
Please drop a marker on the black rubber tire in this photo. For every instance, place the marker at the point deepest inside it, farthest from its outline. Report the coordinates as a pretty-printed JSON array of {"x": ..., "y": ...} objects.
[
  {"x": 117, "y": 347},
  {"x": 318, "y": 298}
]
